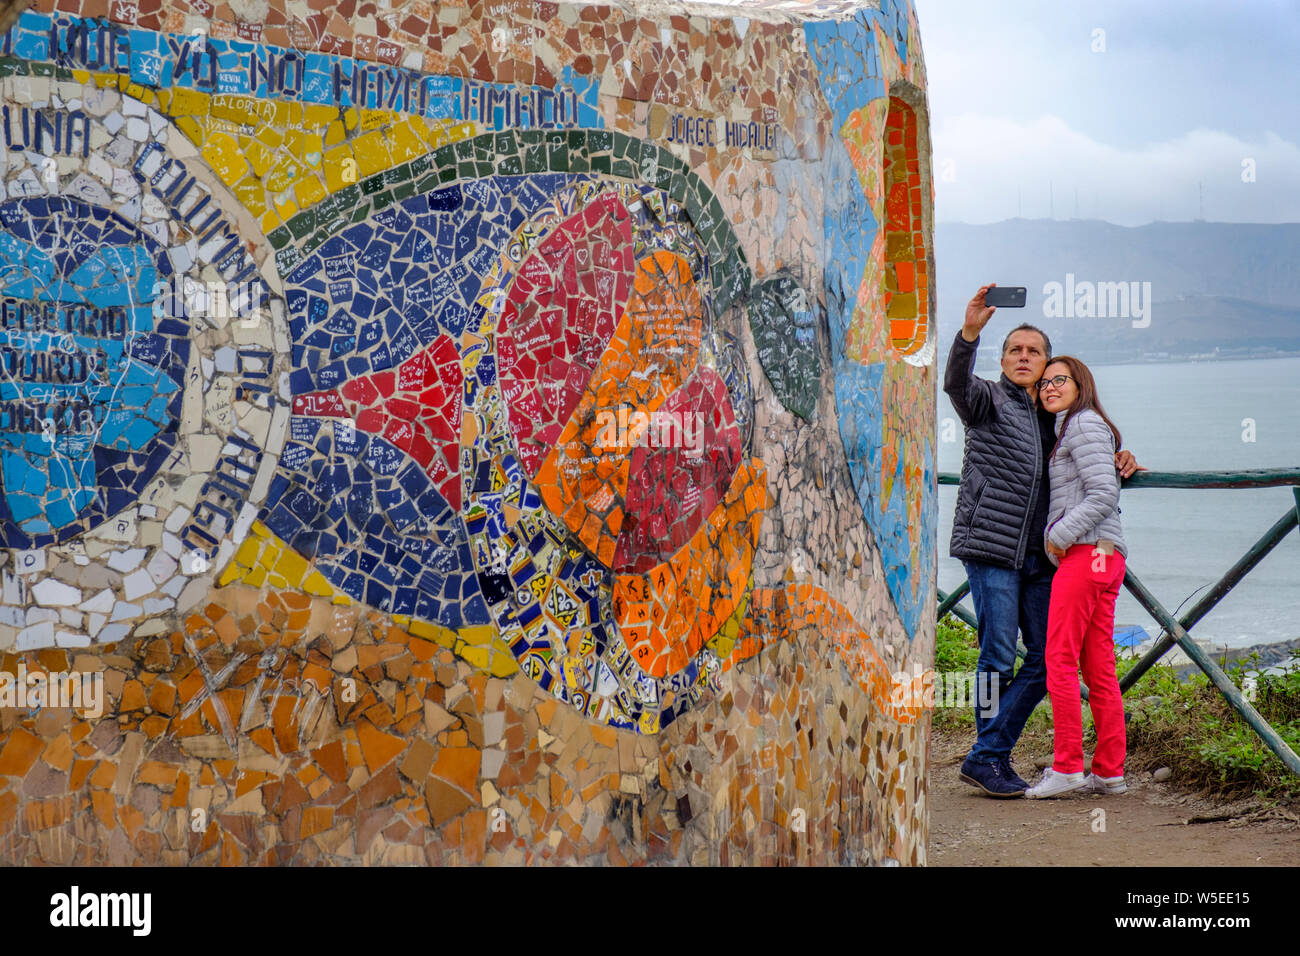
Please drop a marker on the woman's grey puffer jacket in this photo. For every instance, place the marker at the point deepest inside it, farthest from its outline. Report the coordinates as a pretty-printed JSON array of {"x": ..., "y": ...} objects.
[{"x": 1084, "y": 505}]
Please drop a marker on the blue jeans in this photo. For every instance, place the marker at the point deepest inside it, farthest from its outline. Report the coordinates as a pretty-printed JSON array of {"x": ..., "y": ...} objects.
[{"x": 1008, "y": 601}]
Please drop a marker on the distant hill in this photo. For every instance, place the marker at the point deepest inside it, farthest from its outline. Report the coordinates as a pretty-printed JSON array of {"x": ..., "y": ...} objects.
[{"x": 1226, "y": 287}]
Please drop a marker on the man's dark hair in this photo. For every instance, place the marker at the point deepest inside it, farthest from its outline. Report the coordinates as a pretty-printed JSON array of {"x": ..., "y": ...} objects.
[{"x": 1026, "y": 327}]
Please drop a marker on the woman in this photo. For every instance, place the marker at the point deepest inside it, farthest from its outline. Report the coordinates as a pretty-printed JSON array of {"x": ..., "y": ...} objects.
[{"x": 1085, "y": 539}]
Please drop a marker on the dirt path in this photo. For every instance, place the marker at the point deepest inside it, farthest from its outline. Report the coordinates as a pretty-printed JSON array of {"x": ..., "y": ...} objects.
[{"x": 1144, "y": 827}]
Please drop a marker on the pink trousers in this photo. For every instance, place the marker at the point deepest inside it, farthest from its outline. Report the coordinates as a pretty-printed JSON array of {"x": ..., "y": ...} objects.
[{"x": 1080, "y": 631}]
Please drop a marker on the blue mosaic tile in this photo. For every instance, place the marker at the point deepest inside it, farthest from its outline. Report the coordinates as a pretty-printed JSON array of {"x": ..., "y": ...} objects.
[{"x": 90, "y": 399}]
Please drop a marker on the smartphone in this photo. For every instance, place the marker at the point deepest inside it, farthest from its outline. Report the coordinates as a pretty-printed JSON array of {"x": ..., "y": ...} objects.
[{"x": 1006, "y": 297}]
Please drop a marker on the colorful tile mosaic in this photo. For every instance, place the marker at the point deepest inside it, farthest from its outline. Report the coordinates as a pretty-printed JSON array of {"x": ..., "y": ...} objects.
[
  {"x": 417, "y": 416},
  {"x": 878, "y": 247}
]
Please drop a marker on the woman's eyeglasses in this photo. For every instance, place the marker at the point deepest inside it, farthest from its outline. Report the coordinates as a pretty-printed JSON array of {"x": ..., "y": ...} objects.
[{"x": 1056, "y": 381}]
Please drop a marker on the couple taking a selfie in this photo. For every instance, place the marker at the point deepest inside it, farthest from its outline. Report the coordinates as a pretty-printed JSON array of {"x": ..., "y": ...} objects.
[{"x": 1037, "y": 528}]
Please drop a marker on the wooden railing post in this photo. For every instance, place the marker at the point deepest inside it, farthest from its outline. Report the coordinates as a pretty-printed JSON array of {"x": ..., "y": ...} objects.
[{"x": 1212, "y": 670}]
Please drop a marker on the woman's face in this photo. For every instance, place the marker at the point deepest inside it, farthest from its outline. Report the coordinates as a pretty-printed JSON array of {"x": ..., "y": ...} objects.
[{"x": 1052, "y": 396}]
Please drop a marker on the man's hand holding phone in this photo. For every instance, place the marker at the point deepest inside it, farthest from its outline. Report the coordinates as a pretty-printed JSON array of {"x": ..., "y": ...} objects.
[
  {"x": 977, "y": 314},
  {"x": 987, "y": 301}
]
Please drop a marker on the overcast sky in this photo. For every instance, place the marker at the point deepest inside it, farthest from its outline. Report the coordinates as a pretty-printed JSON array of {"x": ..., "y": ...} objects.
[{"x": 1179, "y": 93}]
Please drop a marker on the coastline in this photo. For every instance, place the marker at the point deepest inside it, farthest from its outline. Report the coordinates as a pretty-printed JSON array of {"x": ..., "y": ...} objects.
[
  {"x": 1274, "y": 657},
  {"x": 987, "y": 369}
]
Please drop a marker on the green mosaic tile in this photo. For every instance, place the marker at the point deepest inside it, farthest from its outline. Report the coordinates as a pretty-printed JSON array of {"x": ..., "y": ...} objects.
[
  {"x": 421, "y": 165},
  {"x": 332, "y": 226},
  {"x": 314, "y": 243},
  {"x": 351, "y": 195},
  {"x": 672, "y": 169},
  {"x": 506, "y": 143},
  {"x": 303, "y": 224},
  {"x": 635, "y": 154},
  {"x": 694, "y": 208},
  {"x": 717, "y": 212},
  {"x": 714, "y": 246},
  {"x": 676, "y": 186},
  {"x": 287, "y": 258},
  {"x": 443, "y": 157},
  {"x": 785, "y": 338}
]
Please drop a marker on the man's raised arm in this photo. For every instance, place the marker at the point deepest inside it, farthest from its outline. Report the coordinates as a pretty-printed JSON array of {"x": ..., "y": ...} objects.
[{"x": 971, "y": 396}]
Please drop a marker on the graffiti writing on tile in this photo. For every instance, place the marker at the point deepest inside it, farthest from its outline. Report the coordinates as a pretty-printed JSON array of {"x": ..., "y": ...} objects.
[
  {"x": 49, "y": 132},
  {"x": 707, "y": 132},
  {"x": 210, "y": 64},
  {"x": 497, "y": 106}
]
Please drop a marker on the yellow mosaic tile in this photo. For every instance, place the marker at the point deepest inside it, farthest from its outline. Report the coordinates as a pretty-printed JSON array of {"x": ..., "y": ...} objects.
[{"x": 280, "y": 158}]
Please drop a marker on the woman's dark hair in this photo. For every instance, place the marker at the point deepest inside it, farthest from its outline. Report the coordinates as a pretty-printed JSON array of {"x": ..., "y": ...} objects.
[{"x": 1086, "y": 397}]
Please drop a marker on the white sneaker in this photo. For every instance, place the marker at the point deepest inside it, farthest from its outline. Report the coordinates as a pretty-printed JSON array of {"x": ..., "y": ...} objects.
[
  {"x": 1054, "y": 784},
  {"x": 1096, "y": 784}
]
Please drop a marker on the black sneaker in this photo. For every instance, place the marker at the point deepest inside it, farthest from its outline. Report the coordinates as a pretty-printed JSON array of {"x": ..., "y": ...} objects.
[
  {"x": 1009, "y": 772},
  {"x": 991, "y": 778}
]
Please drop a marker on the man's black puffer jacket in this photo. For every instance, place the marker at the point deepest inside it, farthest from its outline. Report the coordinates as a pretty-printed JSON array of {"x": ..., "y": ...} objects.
[{"x": 1001, "y": 474}]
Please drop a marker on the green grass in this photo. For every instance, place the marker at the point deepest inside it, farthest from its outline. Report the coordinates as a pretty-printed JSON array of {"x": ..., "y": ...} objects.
[
  {"x": 956, "y": 649},
  {"x": 1186, "y": 725},
  {"x": 1189, "y": 726}
]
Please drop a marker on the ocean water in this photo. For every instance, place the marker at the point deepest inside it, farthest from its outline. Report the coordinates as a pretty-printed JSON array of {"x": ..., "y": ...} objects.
[{"x": 1191, "y": 416}]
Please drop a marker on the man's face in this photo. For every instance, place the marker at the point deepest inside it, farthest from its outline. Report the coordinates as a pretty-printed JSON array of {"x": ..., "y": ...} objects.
[{"x": 1025, "y": 358}]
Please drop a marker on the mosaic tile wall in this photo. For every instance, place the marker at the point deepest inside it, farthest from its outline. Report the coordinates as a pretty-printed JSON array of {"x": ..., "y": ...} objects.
[{"x": 458, "y": 433}]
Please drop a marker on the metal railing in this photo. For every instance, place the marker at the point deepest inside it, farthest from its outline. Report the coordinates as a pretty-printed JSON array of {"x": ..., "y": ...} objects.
[{"x": 1174, "y": 631}]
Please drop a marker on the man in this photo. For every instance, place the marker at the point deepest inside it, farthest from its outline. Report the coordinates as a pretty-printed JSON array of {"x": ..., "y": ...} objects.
[{"x": 997, "y": 533}]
